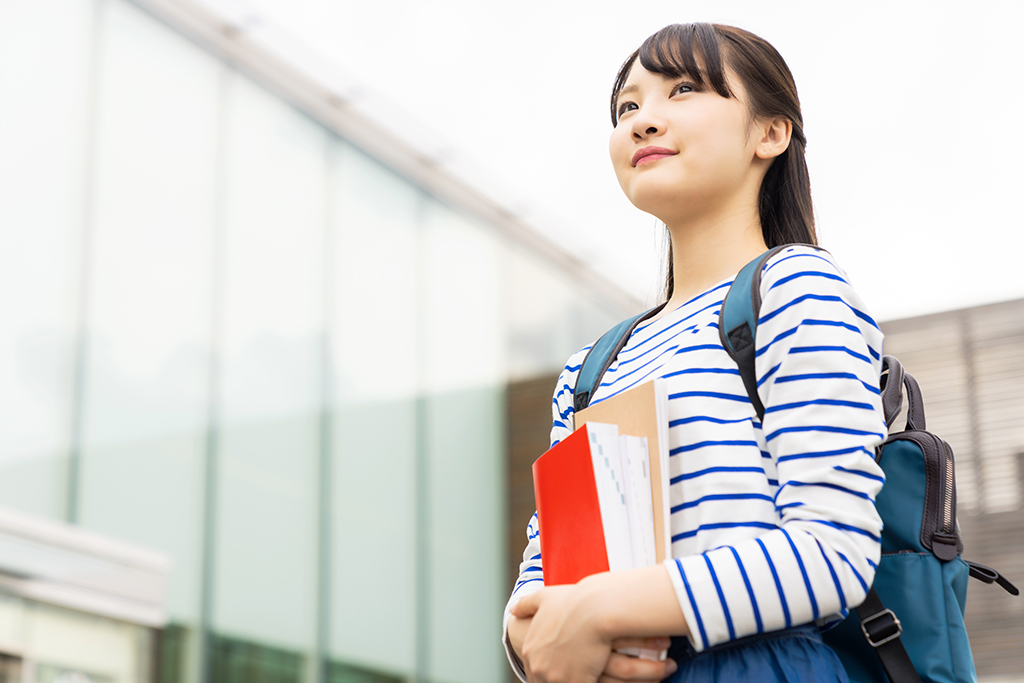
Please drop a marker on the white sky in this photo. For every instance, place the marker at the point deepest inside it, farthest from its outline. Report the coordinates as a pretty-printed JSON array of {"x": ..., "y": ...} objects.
[{"x": 914, "y": 113}]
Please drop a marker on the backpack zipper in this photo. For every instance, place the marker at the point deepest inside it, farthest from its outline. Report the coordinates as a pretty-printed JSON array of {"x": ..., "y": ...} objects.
[
  {"x": 939, "y": 533},
  {"x": 947, "y": 503}
]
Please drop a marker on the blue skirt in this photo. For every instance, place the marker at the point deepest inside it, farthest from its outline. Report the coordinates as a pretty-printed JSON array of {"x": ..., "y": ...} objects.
[{"x": 796, "y": 655}]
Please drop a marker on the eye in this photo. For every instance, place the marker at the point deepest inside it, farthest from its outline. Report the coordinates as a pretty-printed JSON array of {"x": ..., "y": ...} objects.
[
  {"x": 683, "y": 88},
  {"x": 624, "y": 107}
]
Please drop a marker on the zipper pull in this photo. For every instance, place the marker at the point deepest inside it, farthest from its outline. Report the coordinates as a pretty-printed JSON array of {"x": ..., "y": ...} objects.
[
  {"x": 944, "y": 546},
  {"x": 989, "y": 575}
]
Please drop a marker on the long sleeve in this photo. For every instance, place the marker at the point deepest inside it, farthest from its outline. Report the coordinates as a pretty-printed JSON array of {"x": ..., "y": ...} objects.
[
  {"x": 531, "y": 575},
  {"x": 818, "y": 361}
]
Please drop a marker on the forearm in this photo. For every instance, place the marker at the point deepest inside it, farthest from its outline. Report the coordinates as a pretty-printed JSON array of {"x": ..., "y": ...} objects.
[{"x": 636, "y": 603}]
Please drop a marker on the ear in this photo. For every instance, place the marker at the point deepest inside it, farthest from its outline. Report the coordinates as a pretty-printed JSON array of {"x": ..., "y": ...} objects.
[{"x": 775, "y": 138}]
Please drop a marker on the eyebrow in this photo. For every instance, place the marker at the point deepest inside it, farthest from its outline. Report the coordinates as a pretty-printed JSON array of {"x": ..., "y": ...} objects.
[{"x": 626, "y": 90}]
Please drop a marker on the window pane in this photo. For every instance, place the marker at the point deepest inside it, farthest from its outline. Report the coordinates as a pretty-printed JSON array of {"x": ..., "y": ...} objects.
[
  {"x": 464, "y": 438},
  {"x": 374, "y": 242},
  {"x": 540, "y": 325},
  {"x": 550, "y": 315},
  {"x": 463, "y": 310},
  {"x": 145, "y": 400},
  {"x": 44, "y": 66},
  {"x": 238, "y": 661},
  {"x": 374, "y": 321},
  {"x": 271, "y": 380}
]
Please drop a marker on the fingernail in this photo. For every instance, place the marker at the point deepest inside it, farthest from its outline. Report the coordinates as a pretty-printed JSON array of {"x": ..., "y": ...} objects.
[
  {"x": 670, "y": 666},
  {"x": 660, "y": 643}
]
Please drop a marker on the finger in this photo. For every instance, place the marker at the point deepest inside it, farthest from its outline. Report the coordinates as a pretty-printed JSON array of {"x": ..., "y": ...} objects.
[
  {"x": 528, "y": 606},
  {"x": 634, "y": 669},
  {"x": 605, "y": 678},
  {"x": 660, "y": 643}
]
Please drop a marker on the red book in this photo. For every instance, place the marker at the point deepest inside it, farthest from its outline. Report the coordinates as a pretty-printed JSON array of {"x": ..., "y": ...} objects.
[
  {"x": 573, "y": 541},
  {"x": 582, "y": 484}
]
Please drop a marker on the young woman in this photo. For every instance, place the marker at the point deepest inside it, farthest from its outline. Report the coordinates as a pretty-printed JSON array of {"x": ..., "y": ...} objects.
[{"x": 774, "y": 528}]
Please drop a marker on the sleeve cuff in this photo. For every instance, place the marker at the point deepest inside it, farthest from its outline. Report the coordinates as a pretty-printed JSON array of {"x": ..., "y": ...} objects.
[{"x": 684, "y": 594}]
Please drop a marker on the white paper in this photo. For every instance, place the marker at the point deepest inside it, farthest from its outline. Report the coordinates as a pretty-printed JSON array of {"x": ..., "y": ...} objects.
[
  {"x": 638, "y": 497},
  {"x": 611, "y": 494}
]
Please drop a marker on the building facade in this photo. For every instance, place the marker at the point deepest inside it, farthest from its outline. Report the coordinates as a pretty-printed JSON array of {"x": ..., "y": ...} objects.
[
  {"x": 970, "y": 364},
  {"x": 247, "y": 330}
]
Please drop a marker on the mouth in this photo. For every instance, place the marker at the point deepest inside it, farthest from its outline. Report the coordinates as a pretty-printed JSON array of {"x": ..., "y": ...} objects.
[{"x": 650, "y": 154}]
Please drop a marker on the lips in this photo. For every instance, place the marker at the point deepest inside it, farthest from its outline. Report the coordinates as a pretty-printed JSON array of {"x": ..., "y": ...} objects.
[{"x": 649, "y": 154}]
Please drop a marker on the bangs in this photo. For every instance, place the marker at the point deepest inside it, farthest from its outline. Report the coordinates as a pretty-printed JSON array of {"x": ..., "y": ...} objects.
[{"x": 675, "y": 51}]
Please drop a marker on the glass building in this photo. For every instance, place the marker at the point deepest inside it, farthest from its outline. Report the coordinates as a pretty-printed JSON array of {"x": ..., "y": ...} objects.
[{"x": 246, "y": 329}]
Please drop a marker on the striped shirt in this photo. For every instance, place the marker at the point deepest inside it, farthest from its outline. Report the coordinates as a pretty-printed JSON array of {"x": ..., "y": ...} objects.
[{"x": 773, "y": 524}]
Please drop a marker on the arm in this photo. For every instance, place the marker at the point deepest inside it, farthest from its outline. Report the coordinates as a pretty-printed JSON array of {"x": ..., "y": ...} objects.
[
  {"x": 634, "y": 603},
  {"x": 575, "y": 628},
  {"x": 818, "y": 361},
  {"x": 531, "y": 580},
  {"x": 651, "y": 585},
  {"x": 531, "y": 574}
]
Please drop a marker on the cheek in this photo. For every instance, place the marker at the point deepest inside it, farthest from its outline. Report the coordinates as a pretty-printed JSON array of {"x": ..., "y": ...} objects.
[
  {"x": 722, "y": 148},
  {"x": 618, "y": 150},
  {"x": 616, "y": 143}
]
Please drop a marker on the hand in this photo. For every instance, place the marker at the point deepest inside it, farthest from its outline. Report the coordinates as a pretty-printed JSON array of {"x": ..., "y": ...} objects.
[
  {"x": 565, "y": 642},
  {"x": 570, "y": 639},
  {"x": 517, "y": 629},
  {"x": 619, "y": 667},
  {"x": 622, "y": 667}
]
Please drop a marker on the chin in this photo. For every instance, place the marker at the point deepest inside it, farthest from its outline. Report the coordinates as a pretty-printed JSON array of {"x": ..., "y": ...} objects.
[{"x": 659, "y": 199}]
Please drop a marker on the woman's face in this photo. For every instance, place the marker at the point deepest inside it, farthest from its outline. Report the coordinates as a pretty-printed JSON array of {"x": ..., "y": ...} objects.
[{"x": 679, "y": 152}]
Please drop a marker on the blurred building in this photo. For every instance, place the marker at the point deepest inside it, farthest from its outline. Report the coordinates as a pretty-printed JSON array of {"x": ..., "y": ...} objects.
[
  {"x": 970, "y": 364},
  {"x": 247, "y": 330}
]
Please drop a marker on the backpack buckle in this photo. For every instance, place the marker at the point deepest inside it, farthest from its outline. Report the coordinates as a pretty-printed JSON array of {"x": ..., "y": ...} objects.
[{"x": 884, "y": 632}]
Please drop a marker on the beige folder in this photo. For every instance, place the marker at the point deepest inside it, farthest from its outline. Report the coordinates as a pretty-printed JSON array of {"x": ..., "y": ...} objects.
[{"x": 643, "y": 411}]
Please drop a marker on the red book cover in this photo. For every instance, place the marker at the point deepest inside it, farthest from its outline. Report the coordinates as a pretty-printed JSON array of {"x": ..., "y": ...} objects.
[{"x": 572, "y": 542}]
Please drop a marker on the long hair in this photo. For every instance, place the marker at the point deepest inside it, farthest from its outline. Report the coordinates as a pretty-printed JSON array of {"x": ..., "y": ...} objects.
[{"x": 702, "y": 52}]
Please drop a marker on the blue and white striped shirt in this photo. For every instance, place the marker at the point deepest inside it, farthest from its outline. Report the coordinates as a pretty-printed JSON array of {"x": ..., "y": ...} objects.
[{"x": 774, "y": 524}]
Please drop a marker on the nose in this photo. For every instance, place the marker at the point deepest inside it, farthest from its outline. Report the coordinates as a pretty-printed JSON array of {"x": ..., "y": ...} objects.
[{"x": 646, "y": 124}]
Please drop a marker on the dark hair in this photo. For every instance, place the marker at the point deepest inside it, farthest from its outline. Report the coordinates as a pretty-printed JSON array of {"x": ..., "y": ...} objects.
[{"x": 784, "y": 202}]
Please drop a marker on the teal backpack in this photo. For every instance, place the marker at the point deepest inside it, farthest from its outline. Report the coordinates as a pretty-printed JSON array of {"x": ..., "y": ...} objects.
[{"x": 910, "y": 627}]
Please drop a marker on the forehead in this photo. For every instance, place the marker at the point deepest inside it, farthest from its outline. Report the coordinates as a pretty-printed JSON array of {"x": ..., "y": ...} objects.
[{"x": 639, "y": 76}]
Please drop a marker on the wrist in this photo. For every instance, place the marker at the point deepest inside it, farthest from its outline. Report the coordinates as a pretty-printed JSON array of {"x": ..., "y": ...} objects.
[
  {"x": 597, "y": 600},
  {"x": 633, "y": 603}
]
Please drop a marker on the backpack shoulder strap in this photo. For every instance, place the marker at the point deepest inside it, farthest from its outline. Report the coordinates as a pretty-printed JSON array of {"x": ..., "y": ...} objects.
[
  {"x": 737, "y": 322},
  {"x": 602, "y": 354},
  {"x": 882, "y": 630}
]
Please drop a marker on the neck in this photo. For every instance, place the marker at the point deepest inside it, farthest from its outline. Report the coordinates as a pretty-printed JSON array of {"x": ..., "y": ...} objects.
[{"x": 707, "y": 250}]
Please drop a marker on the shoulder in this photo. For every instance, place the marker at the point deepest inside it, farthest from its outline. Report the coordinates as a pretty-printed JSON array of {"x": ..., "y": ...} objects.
[
  {"x": 803, "y": 288},
  {"x": 808, "y": 278},
  {"x": 813, "y": 265},
  {"x": 566, "y": 385},
  {"x": 562, "y": 408},
  {"x": 575, "y": 362}
]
